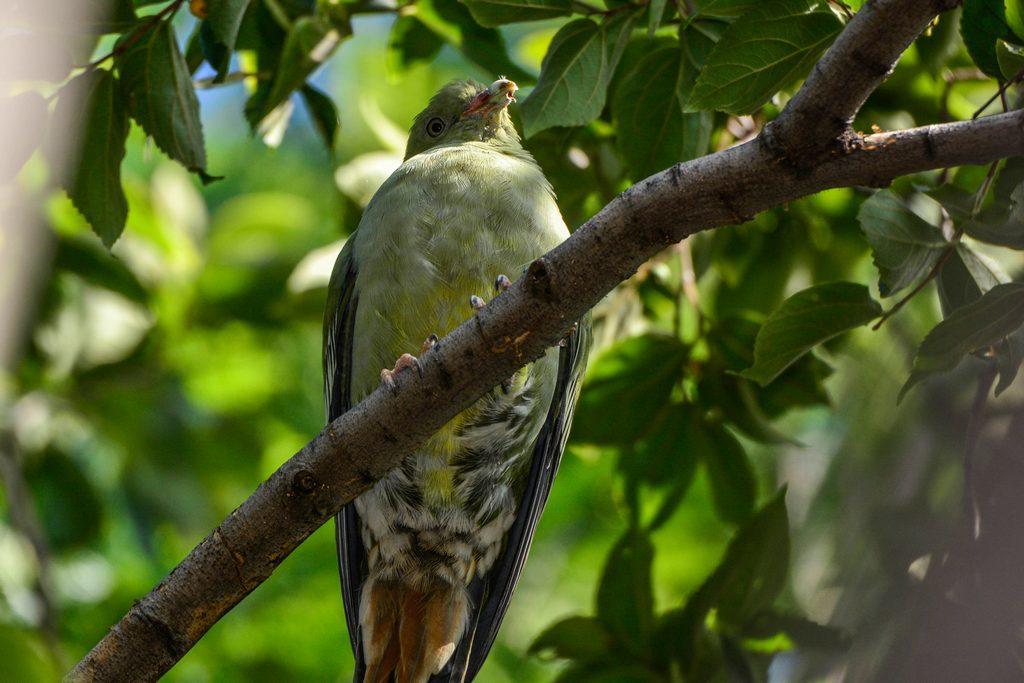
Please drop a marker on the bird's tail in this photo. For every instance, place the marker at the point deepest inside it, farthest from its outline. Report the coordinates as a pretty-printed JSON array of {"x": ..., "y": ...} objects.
[{"x": 409, "y": 634}]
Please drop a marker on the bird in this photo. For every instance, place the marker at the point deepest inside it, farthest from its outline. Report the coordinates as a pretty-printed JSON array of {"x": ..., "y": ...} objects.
[{"x": 430, "y": 555}]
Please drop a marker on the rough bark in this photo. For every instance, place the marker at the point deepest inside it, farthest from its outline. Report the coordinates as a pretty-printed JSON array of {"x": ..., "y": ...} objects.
[{"x": 728, "y": 187}]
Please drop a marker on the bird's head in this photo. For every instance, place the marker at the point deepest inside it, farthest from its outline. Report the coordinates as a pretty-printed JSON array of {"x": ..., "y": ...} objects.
[{"x": 465, "y": 111}]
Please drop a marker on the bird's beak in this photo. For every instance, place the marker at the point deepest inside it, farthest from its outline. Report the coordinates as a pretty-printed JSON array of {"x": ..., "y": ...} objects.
[{"x": 499, "y": 95}]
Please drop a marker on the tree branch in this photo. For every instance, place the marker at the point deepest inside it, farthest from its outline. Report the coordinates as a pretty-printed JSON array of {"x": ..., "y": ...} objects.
[
  {"x": 362, "y": 445},
  {"x": 819, "y": 117}
]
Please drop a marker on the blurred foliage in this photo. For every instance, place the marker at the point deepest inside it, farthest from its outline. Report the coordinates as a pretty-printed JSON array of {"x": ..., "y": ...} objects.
[{"x": 742, "y": 498}]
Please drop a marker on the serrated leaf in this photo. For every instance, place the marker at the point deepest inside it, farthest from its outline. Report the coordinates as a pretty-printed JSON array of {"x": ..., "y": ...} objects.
[
  {"x": 806, "y": 319},
  {"x": 158, "y": 88},
  {"x": 91, "y": 175},
  {"x": 625, "y": 599},
  {"x": 982, "y": 23},
  {"x": 323, "y": 114},
  {"x": 733, "y": 484},
  {"x": 639, "y": 372},
  {"x": 310, "y": 41},
  {"x": 979, "y": 325},
  {"x": 411, "y": 42},
  {"x": 765, "y": 50},
  {"x": 225, "y": 18},
  {"x": 903, "y": 246},
  {"x": 652, "y": 131},
  {"x": 492, "y": 13},
  {"x": 452, "y": 22},
  {"x": 575, "y": 73},
  {"x": 584, "y": 639}
]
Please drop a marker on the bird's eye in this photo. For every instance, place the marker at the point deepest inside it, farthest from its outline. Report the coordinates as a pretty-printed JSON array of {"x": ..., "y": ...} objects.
[{"x": 435, "y": 127}]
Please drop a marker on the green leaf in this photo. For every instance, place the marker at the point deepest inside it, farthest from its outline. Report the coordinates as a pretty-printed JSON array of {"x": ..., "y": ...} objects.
[
  {"x": 655, "y": 13},
  {"x": 311, "y": 40},
  {"x": 1010, "y": 58},
  {"x": 452, "y": 22},
  {"x": 728, "y": 8},
  {"x": 98, "y": 267},
  {"x": 984, "y": 323},
  {"x": 1009, "y": 354},
  {"x": 411, "y": 42},
  {"x": 161, "y": 98},
  {"x": 733, "y": 484},
  {"x": 983, "y": 23},
  {"x": 583, "y": 639},
  {"x": 652, "y": 131},
  {"x": 91, "y": 104},
  {"x": 964, "y": 277},
  {"x": 493, "y": 13},
  {"x": 225, "y": 18},
  {"x": 68, "y": 505},
  {"x": 625, "y": 598},
  {"x": 1002, "y": 221},
  {"x": 639, "y": 372},
  {"x": 806, "y": 319},
  {"x": 664, "y": 455},
  {"x": 575, "y": 73},
  {"x": 1015, "y": 16},
  {"x": 323, "y": 113},
  {"x": 216, "y": 54},
  {"x": 903, "y": 246},
  {"x": 756, "y": 562},
  {"x": 763, "y": 51}
]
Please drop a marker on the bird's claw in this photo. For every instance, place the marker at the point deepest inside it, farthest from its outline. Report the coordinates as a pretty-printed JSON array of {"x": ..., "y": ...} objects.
[
  {"x": 501, "y": 283},
  {"x": 406, "y": 360},
  {"x": 565, "y": 340},
  {"x": 428, "y": 343},
  {"x": 476, "y": 303}
]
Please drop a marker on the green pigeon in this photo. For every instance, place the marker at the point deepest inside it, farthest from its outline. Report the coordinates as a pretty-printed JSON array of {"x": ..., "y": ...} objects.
[{"x": 429, "y": 557}]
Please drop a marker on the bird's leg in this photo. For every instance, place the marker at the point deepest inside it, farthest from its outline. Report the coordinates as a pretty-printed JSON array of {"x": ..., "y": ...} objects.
[{"x": 501, "y": 283}]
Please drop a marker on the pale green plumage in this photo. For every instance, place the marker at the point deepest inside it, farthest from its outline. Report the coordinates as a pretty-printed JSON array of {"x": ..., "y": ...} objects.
[{"x": 467, "y": 204}]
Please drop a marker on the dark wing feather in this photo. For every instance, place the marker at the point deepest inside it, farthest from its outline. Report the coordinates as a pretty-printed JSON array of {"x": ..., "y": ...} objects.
[
  {"x": 492, "y": 593},
  {"x": 339, "y": 319}
]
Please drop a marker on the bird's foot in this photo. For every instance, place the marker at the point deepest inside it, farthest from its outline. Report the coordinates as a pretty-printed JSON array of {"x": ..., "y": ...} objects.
[
  {"x": 565, "y": 340},
  {"x": 428, "y": 343},
  {"x": 501, "y": 283},
  {"x": 406, "y": 360}
]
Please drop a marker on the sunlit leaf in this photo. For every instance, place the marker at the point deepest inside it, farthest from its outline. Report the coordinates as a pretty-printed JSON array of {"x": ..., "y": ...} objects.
[
  {"x": 91, "y": 103},
  {"x": 806, "y": 319},
  {"x": 765, "y": 50},
  {"x": 160, "y": 95},
  {"x": 1015, "y": 16},
  {"x": 986, "y": 322},
  {"x": 575, "y": 73},
  {"x": 903, "y": 246}
]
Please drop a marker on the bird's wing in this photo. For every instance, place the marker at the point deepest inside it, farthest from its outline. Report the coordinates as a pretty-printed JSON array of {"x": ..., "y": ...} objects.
[
  {"x": 493, "y": 591},
  {"x": 339, "y": 319}
]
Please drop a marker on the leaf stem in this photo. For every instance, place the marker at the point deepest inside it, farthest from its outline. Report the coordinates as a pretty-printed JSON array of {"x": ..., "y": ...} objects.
[{"x": 936, "y": 269}]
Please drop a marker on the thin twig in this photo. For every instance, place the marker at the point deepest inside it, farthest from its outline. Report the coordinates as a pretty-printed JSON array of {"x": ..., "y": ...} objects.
[
  {"x": 122, "y": 46},
  {"x": 935, "y": 270},
  {"x": 1000, "y": 93}
]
